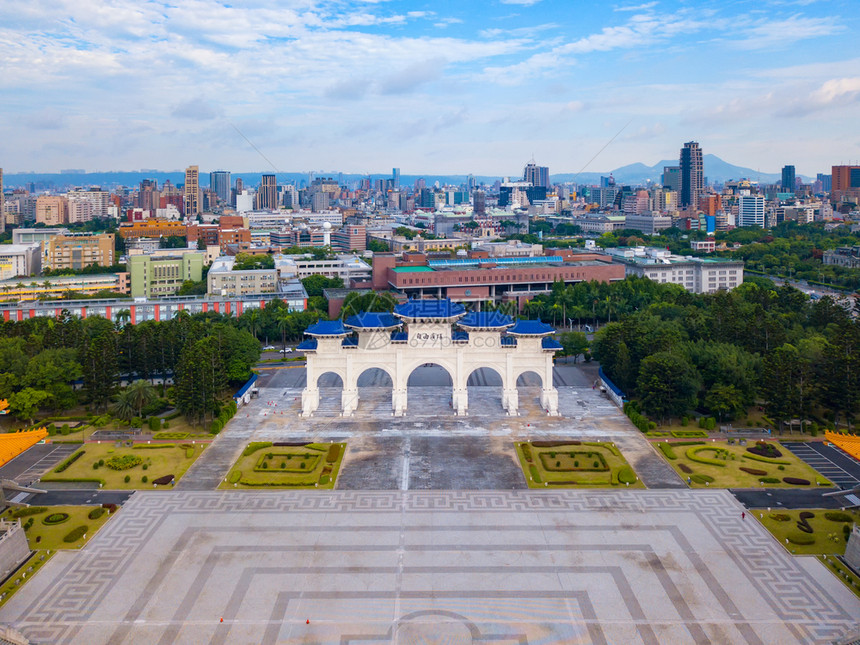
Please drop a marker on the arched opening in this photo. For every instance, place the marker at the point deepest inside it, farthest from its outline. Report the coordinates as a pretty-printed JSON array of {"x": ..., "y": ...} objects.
[
  {"x": 429, "y": 390},
  {"x": 529, "y": 386},
  {"x": 330, "y": 385},
  {"x": 374, "y": 392},
  {"x": 485, "y": 391}
]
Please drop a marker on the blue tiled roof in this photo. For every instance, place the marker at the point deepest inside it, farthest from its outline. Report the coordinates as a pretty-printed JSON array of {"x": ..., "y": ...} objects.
[
  {"x": 550, "y": 343},
  {"x": 509, "y": 341},
  {"x": 352, "y": 341},
  {"x": 417, "y": 308},
  {"x": 399, "y": 337},
  {"x": 460, "y": 336},
  {"x": 485, "y": 320},
  {"x": 307, "y": 344},
  {"x": 327, "y": 328},
  {"x": 531, "y": 328},
  {"x": 246, "y": 387},
  {"x": 372, "y": 320}
]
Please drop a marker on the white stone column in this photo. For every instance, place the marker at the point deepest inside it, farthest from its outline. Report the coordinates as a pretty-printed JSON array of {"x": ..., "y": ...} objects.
[
  {"x": 311, "y": 394},
  {"x": 460, "y": 392},
  {"x": 510, "y": 396},
  {"x": 549, "y": 396},
  {"x": 399, "y": 390},
  {"x": 349, "y": 395}
]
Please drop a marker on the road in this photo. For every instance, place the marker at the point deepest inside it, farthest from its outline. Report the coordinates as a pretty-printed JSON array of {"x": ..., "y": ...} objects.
[{"x": 772, "y": 498}]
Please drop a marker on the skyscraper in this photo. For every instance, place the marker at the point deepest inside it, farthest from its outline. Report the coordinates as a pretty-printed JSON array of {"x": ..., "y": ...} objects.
[
  {"x": 788, "y": 179},
  {"x": 537, "y": 175},
  {"x": 267, "y": 196},
  {"x": 2, "y": 212},
  {"x": 692, "y": 174},
  {"x": 192, "y": 191},
  {"x": 672, "y": 178},
  {"x": 219, "y": 181},
  {"x": 395, "y": 178},
  {"x": 751, "y": 210},
  {"x": 147, "y": 195}
]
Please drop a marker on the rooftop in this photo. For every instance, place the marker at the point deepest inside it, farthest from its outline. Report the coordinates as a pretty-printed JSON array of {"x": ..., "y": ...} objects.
[
  {"x": 485, "y": 320},
  {"x": 429, "y": 309},
  {"x": 372, "y": 320},
  {"x": 327, "y": 328},
  {"x": 531, "y": 328}
]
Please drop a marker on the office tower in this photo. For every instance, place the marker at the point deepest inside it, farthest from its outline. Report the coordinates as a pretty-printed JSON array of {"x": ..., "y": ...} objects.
[
  {"x": 751, "y": 210},
  {"x": 2, "y": 204},
  {"x": 147, "y": 196},
  {"x": 672, "y": 178},
  {"x": 192, "y": 191},
  {"x": 479, "y": 199},
  {"x": 692, "y": 174},
  {"x": 219, "y": 182},
  {"x": 420, "y": 184},
  {"x": 395, "y": 178},
  {"x": 788, "y": 179},
  {"x": 537, "y": 175},
  {"x": 845, "y": 182},
  {"x": 267, "y": 196},
  {"x": 826, "y": 183},
  {"x": 471, "y": 184}
]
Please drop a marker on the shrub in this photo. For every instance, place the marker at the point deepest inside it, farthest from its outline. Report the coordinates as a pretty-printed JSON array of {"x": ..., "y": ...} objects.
[
  {"x": 796, "y": 537},
  {"x": 753, "y": 471},
  {"x": 95, "y": 465},
  {"x": 324, "y": 479},
  {"x": 235, "y": 476},
  {"x": 666, "y": 449},
  {"x": 765, "y": 449},
  {"x": 145, "y": 466},
  {"x": 136, "y": 422},
  {"x": 127, "y": 478},
  {"x": 796, "y": 481},
  {"x": 769, "y": 480},
  {"x": 765, "y": 459},
  {"x": 55, "y": 518},
  {"x": 154, "y": 446},
  {"x": 144, "y": 479},
  {"x": 163, "y": 481},
  {"x": 283, "y": 464},
  {"x": 838, "y": 516},
  {"x": 722, "y": 453},
  {"x": 75, "y": 534},
  {"x": 679, "y": 434},
  {"x": 780, "y": 517},
  {"x": 254, "y": 446},
  {"x": 216, "y": 426},
  {"x": 68, "y": 462},
  {"x": 29, "y": 510},
  {"x": 685, "y": 469},
  {"x": 533, "y": 471},
  {"x": 270, "y": 455},
  {"x": 154, "y": 424},
  {"x": 123, "y": 462},
  {"x": 685, "y": 421},
  {"x": 334, "y": 453},
  {"x": 97, "y": 512},
  {"x": 266, "y": 464},
  {"x": 702, "y": 479},
  {"x": 780, "y": 467},
  {"x": 189, "y": 452},
  {"x": 626, "y": 475},
  {"x": 111, "y": 508}
]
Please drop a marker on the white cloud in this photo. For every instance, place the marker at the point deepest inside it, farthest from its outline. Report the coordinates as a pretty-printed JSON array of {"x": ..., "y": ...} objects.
[
  {"x": 770, "y": 34},
  {"x": 638, "y": 7},
  {"x": 524, "y": 3}
]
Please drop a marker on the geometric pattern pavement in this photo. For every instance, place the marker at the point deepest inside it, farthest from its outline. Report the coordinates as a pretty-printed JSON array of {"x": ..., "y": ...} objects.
[{"x": 523, "y": 567}]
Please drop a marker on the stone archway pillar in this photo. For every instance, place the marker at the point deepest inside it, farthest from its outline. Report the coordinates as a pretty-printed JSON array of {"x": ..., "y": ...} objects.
[
  {"x": 398, "y": 386},
  {"x": 459, "y": 391},
  {"x": 310, "y": 400},
  {"x": 510, "y": 396},
  {"x": 349, "y": 395},
  {"x": 549, "y": 396}
]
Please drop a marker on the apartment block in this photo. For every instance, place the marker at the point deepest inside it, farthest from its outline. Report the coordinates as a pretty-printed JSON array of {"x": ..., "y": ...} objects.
[
  {"x": 78, "y": 250},
  {"x": 154, "y": 277},
  {"x": 223, "y": 280},
  {"x": 52, "y": 210}
]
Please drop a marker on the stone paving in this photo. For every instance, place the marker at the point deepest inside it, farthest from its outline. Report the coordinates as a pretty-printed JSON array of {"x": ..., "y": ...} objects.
[{"x": 402, "y": 568}]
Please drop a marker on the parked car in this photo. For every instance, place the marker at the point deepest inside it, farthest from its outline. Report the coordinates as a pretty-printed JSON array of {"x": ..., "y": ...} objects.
[
  {"x": 268, "y": 348},
  {"x": 286, "y": 350}
]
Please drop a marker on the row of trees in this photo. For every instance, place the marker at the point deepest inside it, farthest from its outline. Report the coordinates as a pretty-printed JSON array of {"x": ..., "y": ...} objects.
[{"x": 721, "y": 353}]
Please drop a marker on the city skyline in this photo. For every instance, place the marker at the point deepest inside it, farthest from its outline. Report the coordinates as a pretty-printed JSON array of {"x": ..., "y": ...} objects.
[{"x": 441, "y": 88}]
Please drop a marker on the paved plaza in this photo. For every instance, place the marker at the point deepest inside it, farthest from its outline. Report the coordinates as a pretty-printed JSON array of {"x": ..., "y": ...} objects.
[{"x": 518, "y": 567}]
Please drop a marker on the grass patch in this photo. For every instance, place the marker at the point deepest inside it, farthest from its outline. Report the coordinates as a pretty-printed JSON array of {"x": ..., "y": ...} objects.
[
  {"x": 173, "y": 460},
  {"x": 843, "y": 573},
  {"x": 262, "y": 465},
  {"x": 732, "y": 466},
  {"x": 43, "y": 535},
  {"x": 830, "y": 537},
  {"x": 574, "y": 464}
]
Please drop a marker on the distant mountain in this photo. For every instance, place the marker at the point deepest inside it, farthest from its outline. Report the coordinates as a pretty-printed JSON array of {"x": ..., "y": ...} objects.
[{"x": 716, "y": 170}]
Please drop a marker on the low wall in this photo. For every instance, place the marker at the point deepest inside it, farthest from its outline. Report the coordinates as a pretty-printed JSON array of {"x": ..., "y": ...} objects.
[{"x": 612, "y": 390}]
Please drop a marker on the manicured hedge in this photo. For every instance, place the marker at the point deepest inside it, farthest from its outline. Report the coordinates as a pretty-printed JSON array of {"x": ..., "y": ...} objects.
[
  {"x": 702, "y": 479},
  {"x": 626, "y": 475},
  {"x": 333, "y": 453},
  {"x": 775, "y": 462},
  {"x": 769, "y": 480},
  {"x": 838, "y": 516},
  {"x": 685, "y": 468},
  {"x": 764, "y": 449},
  {"x": 96, "y": 513},
  {"x": 163, "y": 481},
  {"x": 692, "y": 455},
  {"x": 235, "y": 476},
  {"x": 683, "y": 434},
  {"x": 29, "y": 510},
  {"x": 254, "y": 446},
  {"x": 554, "y": 444},
  {"x": 533, "y": 471},
  {"x": 666, "y": 449},
  {"x": 153, "y": 446},
  {"x": 796, "y": 537},
  {"x": 170, "y": 435},
  {"x": 753, "y": 471},
  {"x": 68, "y": 462},
  {"x": 55, "y": 518},
  {"x": 796, "y": 481},
  {"x": 123, "y": 462},
  {"x": 76, "y": 534}
]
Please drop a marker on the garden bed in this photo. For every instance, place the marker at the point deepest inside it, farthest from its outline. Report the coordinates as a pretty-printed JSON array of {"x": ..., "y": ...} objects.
[
  {"x": 731, "y": 465},
  {"x": 302, "y": 465},
  {"x": 574, "y": 464},
  {"x": 828, "y": 535},
  {"x": 117, "y": 466}
]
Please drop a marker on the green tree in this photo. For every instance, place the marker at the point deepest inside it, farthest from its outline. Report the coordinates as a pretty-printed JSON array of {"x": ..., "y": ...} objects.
[
  {"x": 355, "y": 303},
  {"x": 26, "y": 403},
  {"x": 667, "y": 384},
  {"x": 315, "y": 284},
  {"x": 574, "y": 343},
  {"x": 724, "y": 401},
  {"x": 140, "y": 394}
]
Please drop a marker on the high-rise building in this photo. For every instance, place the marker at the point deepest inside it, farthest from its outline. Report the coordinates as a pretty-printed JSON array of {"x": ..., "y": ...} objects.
[
  {"x": 192, "y": 191},
  {"x": 2, "y": 204},
  {"x": 788, "y": 179},
  {"x": 537, "y": 175},
  {"x": 845, "y": 182},
  {"x": 267, "y": 196},
  {"x": 395, "y": 178},
  {"x": 692, "y": 174},
  {"x": 826, "y": 183},
  {"x": 148, "y": 198},
  {"x": 672, "y": 178},
  {"x": 219, "y": 182},
  {"x": 751, "y": 210},
  {"x": 52, "y": 210}
]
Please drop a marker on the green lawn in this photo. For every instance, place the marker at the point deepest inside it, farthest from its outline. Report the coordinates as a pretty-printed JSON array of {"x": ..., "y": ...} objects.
[
  {"x": 262, "y": 465},
  {"x": 145, "y": 460},
  {"x": 829, "y": 536},
  {"x": 46, "y": 539},
  {"x": 727, "y": 459},
  {"x": 574, "y": 464}
]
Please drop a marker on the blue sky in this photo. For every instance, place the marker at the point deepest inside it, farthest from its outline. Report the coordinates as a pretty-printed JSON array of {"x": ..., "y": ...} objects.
[{"x": 431, "y": 87}]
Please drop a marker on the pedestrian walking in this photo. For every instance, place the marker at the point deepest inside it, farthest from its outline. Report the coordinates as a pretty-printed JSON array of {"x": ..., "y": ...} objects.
[{"x": 743, "y": 515}]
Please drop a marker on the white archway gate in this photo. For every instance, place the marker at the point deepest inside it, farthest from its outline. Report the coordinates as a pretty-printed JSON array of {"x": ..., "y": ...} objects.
[{"x": 439, "y": 332}]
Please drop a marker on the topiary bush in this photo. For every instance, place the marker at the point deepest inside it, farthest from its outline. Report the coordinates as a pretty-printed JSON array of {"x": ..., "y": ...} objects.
[
  {"x": 753, "y": 471},
  {"x": 702, "y": 479},
  {"x": 163, "y": 481},
  {"x": 75, "y": 534},
  {"x": 666, "y": 449},
  {"x": 721, "y": 454},
  {"x": 803, "y": 539},
  {"x": 96, "y": 513},
  {"x": 769, "y": 480},
  {"x": 127, "y": 478},
  {"x": 685, "y": 469},
  {"x": 254, "y": 446},
  {"x": 796, "y": 481},
  {"x": 55, "y": 518},
  {"x": 334, "y": 453},
  {"x": 123, "y": 462},
  {"x": 765, "y": 449},
  {"x": 626, "y": 475},
  {"x": 144, "y": 479},
  {"x": 29, "y": 510},
  {"x": 235, "y": 476},
  {"x": 154, "y": 424},
  {"x": 838, "y": 516}
]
